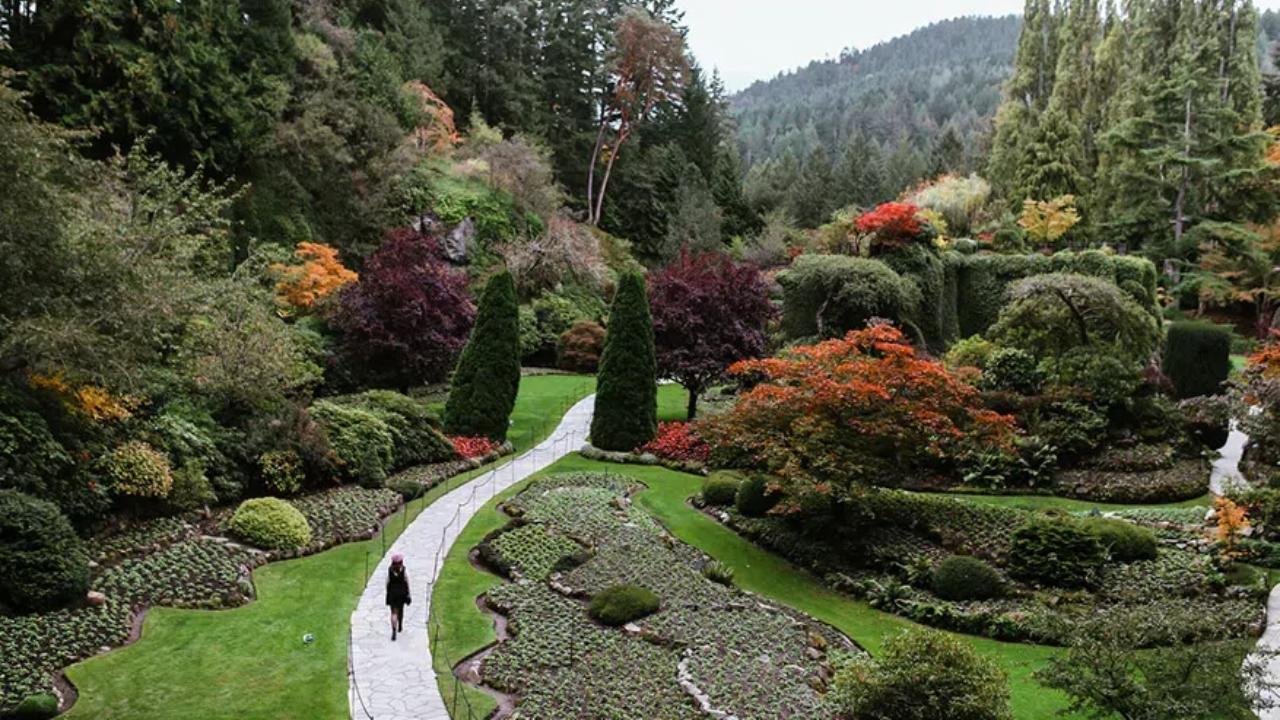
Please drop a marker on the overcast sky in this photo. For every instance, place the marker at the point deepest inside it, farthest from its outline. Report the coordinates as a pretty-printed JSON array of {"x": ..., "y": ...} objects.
[{"x": 751, "y": 40}]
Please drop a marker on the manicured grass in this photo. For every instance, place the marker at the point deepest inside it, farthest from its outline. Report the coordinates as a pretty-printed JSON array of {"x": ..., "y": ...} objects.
[
  {"x": 1053, "y": 502},
  {"x": 463, "y": 629},
  {"x": 673, "y": 403},
  {"x": 250, "y": 662},
  {"x": 1238, "y": 362}
]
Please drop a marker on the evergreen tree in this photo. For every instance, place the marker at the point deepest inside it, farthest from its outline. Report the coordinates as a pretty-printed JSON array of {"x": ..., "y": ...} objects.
[
  {"x": 626, "y": 409},
  {"x": 811, "y": 197},
  {"x": 484, "y": 386},
  {"x": 859, "y": 175},
  {"x": 947, "y": 156}
]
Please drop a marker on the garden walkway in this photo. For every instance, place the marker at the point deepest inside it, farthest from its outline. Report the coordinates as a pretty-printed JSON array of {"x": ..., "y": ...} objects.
[{"x": 395, "y": 680}]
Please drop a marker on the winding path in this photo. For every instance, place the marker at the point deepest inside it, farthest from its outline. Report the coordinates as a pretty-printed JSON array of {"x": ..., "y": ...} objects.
[{"x": 395, "y": 680}]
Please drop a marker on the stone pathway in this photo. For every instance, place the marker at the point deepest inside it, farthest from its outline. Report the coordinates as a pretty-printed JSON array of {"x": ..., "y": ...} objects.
[{"x": 395, "y": 680}]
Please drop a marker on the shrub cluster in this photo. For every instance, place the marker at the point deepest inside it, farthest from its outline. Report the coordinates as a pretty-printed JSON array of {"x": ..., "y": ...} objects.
[
  {"x": 1056, "y": 552},
  {"x": 361, "y": 440},
  {"x": 1124, "y": 541},
  {"x": 754, "y": 498},
  {"x": 135, "y": 468},
  {"x": 43, "y": 564},
  {"x": 621, "y": 604},
  {"x": 828, "y": 295},
  {"x": 282, "y": 471},
  {"x": 579, "y": 348},
  {"x": 678, "y": 441},
  {"x": 270, "y": 523},
  {"x": 961, "y": 577},
  {"x": 720, "y": 489}
]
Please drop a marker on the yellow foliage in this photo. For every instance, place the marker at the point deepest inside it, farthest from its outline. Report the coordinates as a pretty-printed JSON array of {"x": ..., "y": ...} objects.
[
  {"x": 95, "y": 403},
  {"x": 321, "y": 273},
  {"x": 1232, "y": 522},
  {"x": 1047, "y": 221}
]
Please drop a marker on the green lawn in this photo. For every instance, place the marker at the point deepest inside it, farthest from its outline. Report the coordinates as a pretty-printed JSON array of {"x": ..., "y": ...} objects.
[
  {"x": 1053, "y": 502},
  {"x": 673, "y": 403},
  {"x": 463, "y": 629},
  {"x": 250, "y": 662}
]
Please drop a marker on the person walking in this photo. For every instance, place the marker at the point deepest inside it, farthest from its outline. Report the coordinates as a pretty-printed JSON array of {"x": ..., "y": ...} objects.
[{"x": 397, "y": 593}]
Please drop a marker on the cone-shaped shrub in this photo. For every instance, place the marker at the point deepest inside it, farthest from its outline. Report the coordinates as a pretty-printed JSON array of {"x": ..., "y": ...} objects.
[
  {"x": 485, "y": 384},
  {"x": 1197, "y": 358},
  {"x": 626, "y": 414}
]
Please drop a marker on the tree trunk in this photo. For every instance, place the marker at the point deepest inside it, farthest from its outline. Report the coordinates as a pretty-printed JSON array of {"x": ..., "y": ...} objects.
[
  {"x": 691, "y": 411},
  {"x": 1179, "y": 204},
  {"x": 604, "y": 182},
  {"x": 591, "y": 175}
]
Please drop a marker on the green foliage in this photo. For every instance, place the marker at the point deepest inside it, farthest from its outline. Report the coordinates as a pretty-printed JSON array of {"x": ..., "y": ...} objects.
[
  {"x": 828, "y": 295},
  {"x": 621, "y": 604},
  {"x": 137, "y": 469},
  {"x": 720, "y": 489},
  {"x": 1197, "y": 358},
  {"x": 406, "y": 489},
  {"x": 921, "y": 674},
  {"x": 961, "y": 577},
  {"x": 1056, "y": 552},
  {"x": 1123, "y": 541},
  {"x": 924, "y": 268},
  {"x": 36, "y": 707},
  {"x": 626, "y": 389},
  {"x": 973, "y": 351},
  {"x": 1106, "y": 378},
  {"x": 414, "y": 426},
  {"x": 1073, "y": 427},
  {"x": 270, "y": 523},
  {"x": 282, "y": 471},
  {"x": 754, "y": 497},
  {"x": 42, "y": 562},
  {"x": 1012, "y": 370},
  {"x": 191, "y": 488},
  {"x": 484, "y": 386},
  {"x": 362, "y": 441},
  {"x": 718, "y": 572}
]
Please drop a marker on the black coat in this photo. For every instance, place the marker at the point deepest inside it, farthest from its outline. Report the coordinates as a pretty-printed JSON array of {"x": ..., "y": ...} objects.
[{"x": 398, "y": 587}]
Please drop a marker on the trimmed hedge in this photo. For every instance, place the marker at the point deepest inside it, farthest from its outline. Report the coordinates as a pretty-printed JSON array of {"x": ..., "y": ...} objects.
[
  {"x": 829, "y": 295},
  {"x": 43, "y": 564},
  {"x": 1124, "y": 541},
  {"x": 483, "y": 391},
  {"x": 961, "y": 577},
  {"x": 621, "y": 604},
  {"x": 626, "y": 407},
  {"x": 720, "y": 489},
  {"x": 1197, "y": 358},
  {"x": 934, "y": 315},
  {"x": 270, "y": 523},
  {"x": 1056, "y": 552}
]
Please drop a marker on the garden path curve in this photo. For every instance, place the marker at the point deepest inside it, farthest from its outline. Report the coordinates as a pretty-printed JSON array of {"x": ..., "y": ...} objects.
[{"x": 395, "y": 680}]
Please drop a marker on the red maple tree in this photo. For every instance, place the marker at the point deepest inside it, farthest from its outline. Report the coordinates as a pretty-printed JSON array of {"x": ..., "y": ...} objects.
[{"x": 893, "y": 223}]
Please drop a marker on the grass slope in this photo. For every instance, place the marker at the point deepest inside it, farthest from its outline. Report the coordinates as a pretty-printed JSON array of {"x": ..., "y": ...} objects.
[{"x": 250, "y": 662}]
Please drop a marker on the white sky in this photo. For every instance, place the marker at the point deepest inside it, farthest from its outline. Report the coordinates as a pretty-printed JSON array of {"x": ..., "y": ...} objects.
[{"x": 749, "y": 40}]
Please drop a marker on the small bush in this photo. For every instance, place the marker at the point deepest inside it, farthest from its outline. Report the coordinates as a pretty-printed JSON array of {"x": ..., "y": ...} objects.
[
  {"x": 579, "y": 348},
  {"x": 1197, "y": 358},
  {"x": 1124, "y": 541},
  {"x": 621, "y": 604},
  {"x": 415, "y": 428},
  {"x": 720, "y": 489},
  {"x": 718, "y": 572},
  {"x": 36, "y": 707},
  {"x": 281, "y": 471},
  {"x": 754, "y": 497},
  {"x": 42, "y": 562},
  {"x": 1012, "y": 370},
  {"x": 973, "y": 351},
  {"x": 961, "y": 577},
  {"x": 191, "y": 488},
  {"x": 270, "y": 523},
  {"x": 362, "y": 441},
  {"x": 1056, "y": 552},
  {"x": 137, "y": 469},
  {"x": 408, "y": 489},
  {"x": 678, "y": 441}
]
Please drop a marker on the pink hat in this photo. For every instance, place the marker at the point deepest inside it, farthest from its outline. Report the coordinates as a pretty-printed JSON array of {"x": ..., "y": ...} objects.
[{"x": 397, "y": 558}]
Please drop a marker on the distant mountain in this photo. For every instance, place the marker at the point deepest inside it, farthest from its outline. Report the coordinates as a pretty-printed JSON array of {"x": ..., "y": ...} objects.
[{"x": 912, "y": 87}]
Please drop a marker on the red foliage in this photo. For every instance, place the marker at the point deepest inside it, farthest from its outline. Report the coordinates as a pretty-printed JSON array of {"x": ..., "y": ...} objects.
[
  {"x": 893, "y": 223},
  {"x": 474, "y": 447},
  {"x": 409, "y": 315},
  {"x": 707, "y": 314},
  {"x": 678, "y": 441},
  {"x": 858, "y": 411}
]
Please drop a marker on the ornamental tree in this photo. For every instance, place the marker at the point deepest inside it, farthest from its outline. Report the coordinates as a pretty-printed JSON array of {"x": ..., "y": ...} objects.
[
  {"x": 707, "y": 314},
  {"x": 484, "y": 387},
  {"x": 833, "y": 418},
  {"x": 894, "y": 224},
  {"x": 303, "y": 288},
  {"x": 1047, "y": 221},
  {"x": 626, "y": 409},
  {"x": 408, "y": 317}
]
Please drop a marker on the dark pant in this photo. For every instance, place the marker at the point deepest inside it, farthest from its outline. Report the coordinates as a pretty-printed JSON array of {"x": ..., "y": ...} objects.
[{"x": 398, "y": 609}]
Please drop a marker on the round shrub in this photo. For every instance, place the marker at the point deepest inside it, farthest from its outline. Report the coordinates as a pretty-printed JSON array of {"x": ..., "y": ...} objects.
[
  {"x": 415, "y": 428},
  {"x": 621, "y": 604},
  {"x": 1012, "y": 370},
  {"x": 1056, "y": 552},
  {"x": 1197, "y": 358},
  {"x": 270, "y": 523},
  {"x": 754, "y": 498},
  {"x": 135, "y": 468},
  {"x": 281, "y": 471},
  {"x": 973, "y": 351},
  {"x": 36, "y": 707},
  {"x": 408, "y": 489},
  {"x": 42, "y": 562},
  {"x": 720, "y": 489},
  {"x": 362, "y": 441},
  {"x": 1124, "y": 541},
  {"x": 961, "y": 577},
  {"x": 579, "y": 348}
]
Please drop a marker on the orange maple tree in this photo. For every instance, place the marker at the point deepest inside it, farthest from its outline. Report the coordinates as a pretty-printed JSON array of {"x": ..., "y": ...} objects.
[
  {"x": 845, "y": 414},
  {"x": 304, "y": 287},
  {"x": 1232, "y": 522}
]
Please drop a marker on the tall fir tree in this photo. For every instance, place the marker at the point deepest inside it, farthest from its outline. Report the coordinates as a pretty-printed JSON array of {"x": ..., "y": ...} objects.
[
  {"x": 860, "y": 173},
  {"x": 947, "y": 155},
  {"x": 626, "y": 407},
  {"x": 811, "y": 197},
  {"x": 483, "y": 391}
]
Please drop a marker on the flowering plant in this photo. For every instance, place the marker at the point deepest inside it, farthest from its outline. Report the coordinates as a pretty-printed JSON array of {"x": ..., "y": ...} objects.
[{"x": 678, "y": 441}]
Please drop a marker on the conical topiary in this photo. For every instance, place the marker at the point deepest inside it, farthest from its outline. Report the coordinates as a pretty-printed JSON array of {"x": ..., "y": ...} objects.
[
  {"x": 626, "y": 413},
  {"x": 484, "y": 387}
]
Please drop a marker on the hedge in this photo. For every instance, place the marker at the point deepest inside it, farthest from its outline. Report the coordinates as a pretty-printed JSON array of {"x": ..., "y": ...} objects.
[
  {"x": 621, "y": 604},
  {"x": 270, "y": 523},
  {"x": 626, "y": 406},
  {"x": 43, "y": 564},
  {"x": 961, "y": 577},
  {"x": 831, "y": 294},
  {"x": 361, "y": 439},
  {"x": 1197, "y": 358},
  {"x": 483, "y": 391},
  {"x": 927, "y": 271}
]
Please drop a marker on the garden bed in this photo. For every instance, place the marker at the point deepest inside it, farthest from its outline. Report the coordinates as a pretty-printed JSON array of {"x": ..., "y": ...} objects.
[
  {"x": 709, "y": 649},
  {"x": 1179, "y": 480}
]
